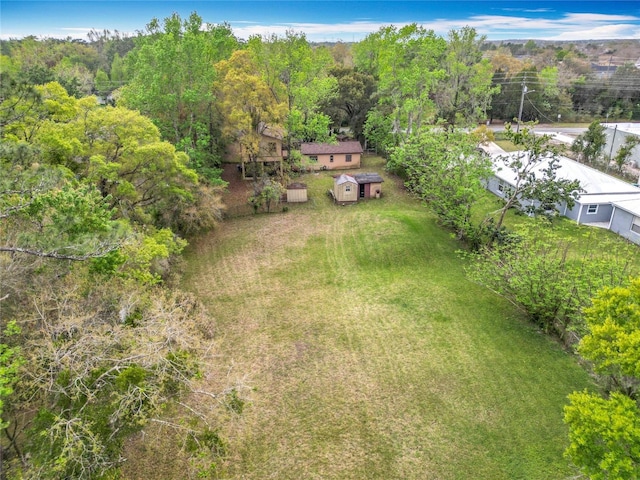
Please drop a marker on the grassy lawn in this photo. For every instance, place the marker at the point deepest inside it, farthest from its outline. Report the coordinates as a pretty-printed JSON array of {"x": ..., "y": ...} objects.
[{"x": 367, "y": 354}]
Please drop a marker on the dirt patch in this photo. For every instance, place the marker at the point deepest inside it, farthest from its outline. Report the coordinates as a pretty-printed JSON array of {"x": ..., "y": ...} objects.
[{"x": 238, "y": 190}]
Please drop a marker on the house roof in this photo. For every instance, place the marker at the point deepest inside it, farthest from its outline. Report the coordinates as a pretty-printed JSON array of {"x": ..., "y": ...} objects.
[
  {"x": 604, "y": 198},
  {"x": 592, "y": 181},
  {"x": 633, "y": 128},
  {"x": 352, "y": 146},
  {"x": 630, "y": 205},
  {"x": 271, "y": 131},
  {"x": 344, "y": 178},
  {"x": 368, "y": 178},
  {"x": 296, "y": 186}
]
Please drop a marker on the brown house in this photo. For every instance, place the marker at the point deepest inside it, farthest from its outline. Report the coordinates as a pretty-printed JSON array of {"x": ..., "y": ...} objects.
[
  {"x": 326, "y": 156},
  {"x": 270, "y": 153}
]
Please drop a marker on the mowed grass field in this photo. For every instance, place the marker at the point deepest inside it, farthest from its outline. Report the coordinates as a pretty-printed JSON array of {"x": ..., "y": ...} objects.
[{"x": 364, "y": 353}]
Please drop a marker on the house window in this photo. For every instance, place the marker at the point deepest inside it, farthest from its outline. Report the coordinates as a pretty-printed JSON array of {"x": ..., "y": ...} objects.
[
  {"x": 347, "y": 188},
  {"x": 635, "y": 226},
  {"x": 501, "y": 186},
  {"x": 348, "y": 157},
  {"x": 331, "y": 158},
  {"x": 313, "y": 158},
  {"x": 591, "y": 209},
  {"x": 272, "y": 148}
]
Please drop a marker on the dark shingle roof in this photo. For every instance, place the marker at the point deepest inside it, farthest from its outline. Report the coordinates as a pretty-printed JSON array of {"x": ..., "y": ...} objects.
[
  {"x": 328, "y": 148},
  {"x": 368, "y": 178}
]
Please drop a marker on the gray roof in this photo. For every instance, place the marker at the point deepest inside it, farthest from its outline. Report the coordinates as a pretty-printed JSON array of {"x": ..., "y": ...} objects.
[
  {"x": 328, "y": 148},
  {"x": 344, "y": 178},
  {"x": 368, "y": 178}
]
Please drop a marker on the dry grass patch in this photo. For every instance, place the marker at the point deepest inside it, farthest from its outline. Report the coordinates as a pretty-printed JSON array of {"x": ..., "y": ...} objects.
[{"x": 369, "y": 355}]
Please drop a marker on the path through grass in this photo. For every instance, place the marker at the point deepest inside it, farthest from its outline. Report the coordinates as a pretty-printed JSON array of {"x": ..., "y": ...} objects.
[{"x": 368, "y": 353}]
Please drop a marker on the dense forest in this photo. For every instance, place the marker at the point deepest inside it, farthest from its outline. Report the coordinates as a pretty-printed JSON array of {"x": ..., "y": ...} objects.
[{"x": 110, "y": 158}]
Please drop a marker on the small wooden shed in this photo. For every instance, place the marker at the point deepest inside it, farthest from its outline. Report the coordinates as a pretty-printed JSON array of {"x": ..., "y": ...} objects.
[
  {"x": 297, "y": 192},
  {"x": 345, "y": 189},
  {"x": 369, "y": 185}
]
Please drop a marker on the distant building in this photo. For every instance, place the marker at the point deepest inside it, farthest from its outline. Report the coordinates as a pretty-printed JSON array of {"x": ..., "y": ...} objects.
[{"x": 603, "y": 71}]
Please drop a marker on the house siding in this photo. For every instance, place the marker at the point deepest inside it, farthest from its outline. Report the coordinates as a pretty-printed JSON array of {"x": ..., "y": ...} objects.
[
  {"x": 373, "y": 187},
  {"x": 235, "y": 153},
  {"x": 603, "y": 214},
  {"x": 492, "y": 186},
  {"x": 621, "y": 222},
  {"x": 580, "y": 212},
  {"x": 339, "y": 161}
]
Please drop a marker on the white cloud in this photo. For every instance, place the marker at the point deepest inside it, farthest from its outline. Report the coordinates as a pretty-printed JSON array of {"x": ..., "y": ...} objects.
[
  {"x": 571, "y": 26},
  {"x": 606, "y": 32},
  {"x": 347, "y": 32}
]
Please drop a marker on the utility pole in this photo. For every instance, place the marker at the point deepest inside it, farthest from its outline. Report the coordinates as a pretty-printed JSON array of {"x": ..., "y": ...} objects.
[{"x": 524, "y": 91}]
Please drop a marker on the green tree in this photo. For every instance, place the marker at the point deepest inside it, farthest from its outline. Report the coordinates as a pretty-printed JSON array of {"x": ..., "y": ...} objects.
[
  {"x": 548, "y": 277},
  {"x": 102, "y": 83},
  {"x": 180, "y": 101},
  {"x": 117, "y": 71},
  {"x": 266, "y": 192},
  {"x": 248, "y": 104},
  {"x": 590, "y": 144},
  {"x": 604, "y": 433},
  {"x": 624, "y": 88},
  {"x": 444, "y": 169},
  {"x": 117, "y": 150},
  {"x": 378, "y": 131},
  {"x": 506, "y": 103},
  {"x": 408, "y": 65},
  {"x": 464, "y": 94},
  {"x": 10, "y": 362},
  {"x": 355, "y": 96},
  {"x": 623, "y": 155},
  {"x": 534, "y": 170},
  {"x": 297, "y": 75}
]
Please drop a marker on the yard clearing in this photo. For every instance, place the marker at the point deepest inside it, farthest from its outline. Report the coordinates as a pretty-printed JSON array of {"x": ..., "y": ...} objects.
[{"x": 367, "y": 354}]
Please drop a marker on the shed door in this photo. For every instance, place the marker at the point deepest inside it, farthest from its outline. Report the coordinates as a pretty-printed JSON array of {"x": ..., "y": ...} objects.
[{"x": 362, "y": 185}]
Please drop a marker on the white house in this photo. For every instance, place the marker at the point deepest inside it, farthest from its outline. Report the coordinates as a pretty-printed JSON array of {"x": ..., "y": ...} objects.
[{"x": 599, "y": 190}]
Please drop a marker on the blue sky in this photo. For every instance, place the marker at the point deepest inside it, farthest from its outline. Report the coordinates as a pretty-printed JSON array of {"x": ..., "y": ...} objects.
[{"x": 331, "y": 20}]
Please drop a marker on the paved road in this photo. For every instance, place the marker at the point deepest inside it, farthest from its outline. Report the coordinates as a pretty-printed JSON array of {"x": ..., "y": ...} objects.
[
  {"x": 547, "y": 128},
  {"x": 561, "y": 134}
]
